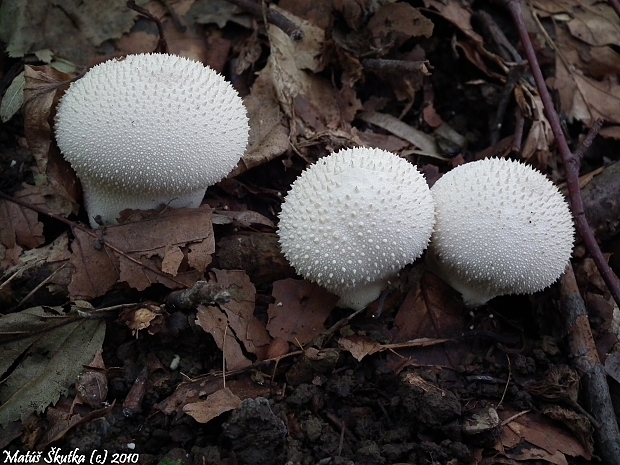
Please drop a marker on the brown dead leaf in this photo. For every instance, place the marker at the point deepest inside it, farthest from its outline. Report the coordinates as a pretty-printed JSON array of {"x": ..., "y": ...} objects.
[
  {"x": 189, "y": 392},
  {"x": 307, "y": 54},
  {"x": 214, "y": 321},
  {"x": 577, "y": 423},
  {"x": 269, "y": 132},
  {"x": 395, "y": 23},
  {"x": 61, "y": 421},
  {"x": 97, "y": 268},
  {"x": 221, "y": 401},
  {"x": 248, "y": 329},
  {"x": 43, "y": 85},
  {"x": 20, "y": 226},
  {"x": 317, "y": 12},
  {"x": 594, "y": 23},
  {"x": 150, "y": 317},
  {"x": 360, "y": 346},
  {"x": 552, "y": 443},
  {"x": 431, "y": 310},
  {"x": 92, "y": 384},
  {"x": 173, "y": 257},
  {"x": 585, "y": 74},
  {"x": 300, "y": 310},
  {"x": 233, "y": 325},
  {"x": 291, "y": 67},
  {"x": 540, "y": 137},
  {"x": 458, "y": 15},
  {"x": 22, "y": 223}
]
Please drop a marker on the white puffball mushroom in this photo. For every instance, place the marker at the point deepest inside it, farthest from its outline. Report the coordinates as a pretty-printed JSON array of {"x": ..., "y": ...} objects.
[
  {"x": 353, "y": 219},
  {"x": 147, "y": 130},
  {"x": 501, "y": 228}
]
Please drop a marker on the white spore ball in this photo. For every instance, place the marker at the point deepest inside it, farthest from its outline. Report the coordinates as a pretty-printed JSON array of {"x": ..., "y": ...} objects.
[
  {"x": 147, "y": 130},
  {"x": 354, "y": 219},
  {"x": 502, "y": 228}
]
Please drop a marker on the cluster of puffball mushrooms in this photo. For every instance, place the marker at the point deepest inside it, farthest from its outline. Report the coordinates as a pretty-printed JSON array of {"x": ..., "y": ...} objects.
[{"x": 158, "y": 129}]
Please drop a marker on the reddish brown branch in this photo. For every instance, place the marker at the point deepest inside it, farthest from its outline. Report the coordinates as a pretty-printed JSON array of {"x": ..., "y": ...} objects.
[{"x": 571, "y": 162}]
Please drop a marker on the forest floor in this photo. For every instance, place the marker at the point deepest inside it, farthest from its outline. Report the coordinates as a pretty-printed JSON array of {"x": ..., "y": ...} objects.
[{"x": 184, "y": 337}]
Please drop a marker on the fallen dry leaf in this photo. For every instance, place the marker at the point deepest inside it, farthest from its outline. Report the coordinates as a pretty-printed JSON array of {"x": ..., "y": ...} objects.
[
  {"x": 213, "y": 406},
  {"x": 234, "y": 327},
  {"x": 189, "y": 392},
  {"x": 431, "y": 310},
  {"x": 248, "y": 329},
  {"x": 20, "y": 226},
  {"x": 395, "y": 23},
  {"x": 546, "y": 439},
  {"x": 300, "y": 310},
  {"x": 214, "y": 322},
  {"x": 97, "y": 267},
  {"x": 360, "y": 346}
]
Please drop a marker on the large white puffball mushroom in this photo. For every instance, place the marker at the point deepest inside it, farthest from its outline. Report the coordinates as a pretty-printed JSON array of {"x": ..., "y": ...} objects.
[
  {"x": 147, "y": 130},
  {"x": 353, "y": 220},
  {"x": 502, "y": 228}
]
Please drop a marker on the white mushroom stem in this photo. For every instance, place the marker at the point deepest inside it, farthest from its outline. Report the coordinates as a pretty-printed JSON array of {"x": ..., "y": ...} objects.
[{"x": 107, "y": 203}]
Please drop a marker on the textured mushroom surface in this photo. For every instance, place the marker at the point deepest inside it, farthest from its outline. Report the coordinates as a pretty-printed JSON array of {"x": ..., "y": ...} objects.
[
  {"x": 354, "y": 219},
  {"x": 502, "y": 228},
  {"x": 150, "y": 129}
]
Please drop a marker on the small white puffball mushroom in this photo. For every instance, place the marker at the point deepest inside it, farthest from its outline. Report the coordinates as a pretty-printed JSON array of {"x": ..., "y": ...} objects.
[
  {"x": 353, "y": 219},
  {"x": 502, "y": 228},
  {"x": 147, "y": 130}
]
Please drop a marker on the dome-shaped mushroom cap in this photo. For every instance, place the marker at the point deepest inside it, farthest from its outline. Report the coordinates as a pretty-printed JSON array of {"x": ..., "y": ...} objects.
[
  {"x": 155, "y": 124},
  {"x": 356, "y": 217},
  {"x": 502, "y": 228}
]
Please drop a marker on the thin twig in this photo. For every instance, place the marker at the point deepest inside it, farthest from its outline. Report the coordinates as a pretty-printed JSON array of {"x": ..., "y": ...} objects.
[
  {"x": 571, "y": 163},
  {"x": 273, "y": 17}
]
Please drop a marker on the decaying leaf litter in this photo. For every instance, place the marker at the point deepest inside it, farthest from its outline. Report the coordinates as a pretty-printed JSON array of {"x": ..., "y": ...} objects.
[{"x": 214, "y": 351}]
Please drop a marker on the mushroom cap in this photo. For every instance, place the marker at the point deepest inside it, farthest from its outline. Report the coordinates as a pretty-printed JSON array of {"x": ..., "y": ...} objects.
[
  {"x": 501, "y": 228},
  {"x": 156, "y": 126},
  {"x": 354, "y": 218}
]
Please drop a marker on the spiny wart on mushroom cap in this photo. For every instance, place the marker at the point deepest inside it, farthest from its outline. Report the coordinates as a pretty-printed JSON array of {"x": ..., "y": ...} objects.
[
  {"x": 150, "y": 129},
  {"x": 502, "y": 228},
  {"x": 354, "y": 219}
]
